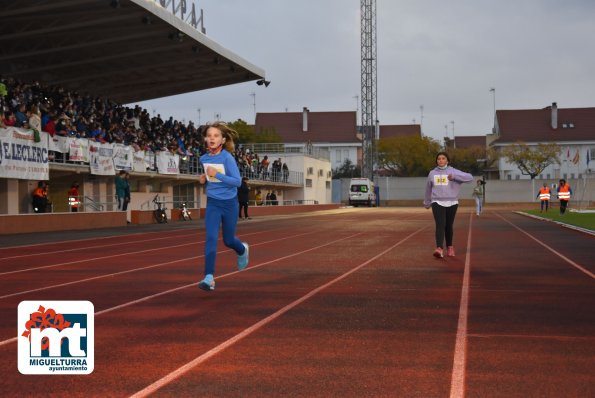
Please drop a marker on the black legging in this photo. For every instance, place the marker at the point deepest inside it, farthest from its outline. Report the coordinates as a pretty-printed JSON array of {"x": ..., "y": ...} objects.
[
  {"x": 444, "y": 218},
  {"x": 243, "y": 205},
  {"x": 563, "y": 205}
]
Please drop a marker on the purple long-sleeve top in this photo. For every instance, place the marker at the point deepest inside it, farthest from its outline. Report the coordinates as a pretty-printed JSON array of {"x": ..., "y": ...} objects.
[{"x": 440, "y": 188}]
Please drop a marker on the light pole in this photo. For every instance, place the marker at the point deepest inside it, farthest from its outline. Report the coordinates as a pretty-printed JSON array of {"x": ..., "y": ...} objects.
[
  {"x": 493, "y": 91},
  {"x": 253, "y": 95},
  {"x": 421, "y": 119},
  {"x": 198, "y": 111}
]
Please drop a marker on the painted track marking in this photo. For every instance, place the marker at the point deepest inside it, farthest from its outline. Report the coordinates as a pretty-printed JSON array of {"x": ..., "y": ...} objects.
[
  {"x": 563, "y": 257},
  {"x": 246, "y": 332},
  {"x": 457, "y": 381},
  {"x": 146, "y": 298}
]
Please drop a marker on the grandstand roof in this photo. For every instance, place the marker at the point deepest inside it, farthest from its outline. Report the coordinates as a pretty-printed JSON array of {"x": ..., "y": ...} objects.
[{"x": 125, "y": 50}]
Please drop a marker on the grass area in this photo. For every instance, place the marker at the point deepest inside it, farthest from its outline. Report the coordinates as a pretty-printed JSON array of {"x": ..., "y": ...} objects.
[{"x": 583, "y": 220}]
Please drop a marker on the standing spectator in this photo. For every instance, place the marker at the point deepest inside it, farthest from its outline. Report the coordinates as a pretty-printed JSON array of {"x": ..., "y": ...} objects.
[
  {"x": 126, "y": 191},
  {"x": 74, "y": 200},
  {"x": 564, "y": 194},
  {"x": 264, "y": 166},
  {"x": 267, "y": 199},
  {"x": 35, "y": 118},
  {"x": 222, "y": 178},
  {"x": 21, "y": 116},
  {"x": 258, "y": 198},
  {"x": 243, "y": 193},
  {"x": 285, "y": 172},
  {"x": 121, "y": 189},
  {"x": 40, "y": 197},
  {"x": 273, "y": 198},
  {"x": 478, "y": 196},
  {"x": 442, "y": 195},
  {"x": 544, "y": 195}
]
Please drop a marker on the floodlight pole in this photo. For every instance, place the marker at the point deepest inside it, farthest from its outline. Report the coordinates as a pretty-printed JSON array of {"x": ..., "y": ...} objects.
[{"x": 368, "y": 85}]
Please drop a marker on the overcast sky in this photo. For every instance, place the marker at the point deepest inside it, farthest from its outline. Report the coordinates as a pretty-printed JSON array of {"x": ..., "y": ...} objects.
[{"x": 444, "y": 55}]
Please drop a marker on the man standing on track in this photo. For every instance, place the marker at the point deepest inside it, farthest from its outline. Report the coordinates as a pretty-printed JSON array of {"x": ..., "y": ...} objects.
[
  {"x": 564, "y": 194},
  {"x": 544, "y": 196}
]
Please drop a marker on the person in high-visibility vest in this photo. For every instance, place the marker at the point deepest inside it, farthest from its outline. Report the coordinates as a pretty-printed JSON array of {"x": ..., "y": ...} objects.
[
  {"x": 564, "y": 194},
  {"x": 73, "y": 197},
  {"x": 544, "y": 196}
]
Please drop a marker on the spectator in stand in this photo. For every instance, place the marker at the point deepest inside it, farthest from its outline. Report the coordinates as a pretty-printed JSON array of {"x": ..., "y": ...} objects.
[
  {"x": 9, "y": 119},
  {"x": 285, "y": 172},
  {"x": 35, "y": 118},
  {"x": 21, "y": 116},
  {"x": 264, "y": 167},
  {"x": 273, "y": 198}
]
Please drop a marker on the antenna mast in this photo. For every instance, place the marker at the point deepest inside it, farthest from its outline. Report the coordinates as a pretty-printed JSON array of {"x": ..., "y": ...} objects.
[{"x": 368, "y": 85}]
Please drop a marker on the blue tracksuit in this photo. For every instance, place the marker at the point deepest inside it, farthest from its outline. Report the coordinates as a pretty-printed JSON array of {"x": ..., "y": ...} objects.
[{"x": 222, "y": 206}]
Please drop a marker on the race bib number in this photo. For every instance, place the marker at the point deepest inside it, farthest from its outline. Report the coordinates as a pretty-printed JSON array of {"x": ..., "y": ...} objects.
[
  {"x": 441, "y": 179},
  {"x": 219, "y": 167}
]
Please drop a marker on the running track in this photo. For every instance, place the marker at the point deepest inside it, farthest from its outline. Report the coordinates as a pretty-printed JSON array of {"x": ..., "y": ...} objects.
[{"x": 340, "y": 303}]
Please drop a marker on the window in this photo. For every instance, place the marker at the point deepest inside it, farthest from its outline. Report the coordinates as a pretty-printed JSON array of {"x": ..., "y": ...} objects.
[
  {"x": 517, "y": 177},
  {"x": 359, "y": 188},
  {"x": 308, "y": 183},
  {"x": 320, "y": 172},
  {"x": 310, "y": 171},
  {"x": 328, "y": 185}
]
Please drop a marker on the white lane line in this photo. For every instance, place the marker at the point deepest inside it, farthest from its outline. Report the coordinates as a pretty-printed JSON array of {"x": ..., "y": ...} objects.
[
  {"x": 103, "y": 257},
  {"x": 137, "y": 269},
  {"x": 457, "y": 380},
  {"x": 80, "y": 248},
  {"x": 246, "y": 332},
  {"x": 146, "y": 298},
  {"x": 563, "y": 257}
]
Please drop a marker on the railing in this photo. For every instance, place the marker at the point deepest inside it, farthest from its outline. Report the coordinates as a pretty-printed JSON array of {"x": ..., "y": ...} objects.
[
  {"x": 310, "y": 150},
  {"x": 91, "y": 203}
]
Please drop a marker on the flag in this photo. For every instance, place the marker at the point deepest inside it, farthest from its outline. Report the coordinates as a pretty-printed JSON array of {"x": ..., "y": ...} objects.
[
  {"x": 576, "y": 158},
  {"x": 568, "y": 154},
  {"x": 588, "y": 158}
]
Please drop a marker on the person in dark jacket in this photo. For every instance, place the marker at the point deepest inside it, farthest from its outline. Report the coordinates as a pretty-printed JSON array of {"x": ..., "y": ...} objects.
[{"x": 243, "y": 192}]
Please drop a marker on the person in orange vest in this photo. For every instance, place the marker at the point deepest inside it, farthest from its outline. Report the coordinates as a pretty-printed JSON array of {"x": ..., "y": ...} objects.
[
  {"x": 40, "y": 197},
  {"x": 73, "y": 197},
  {"x": 544, "y": 196},
  {"x": 564, "y": 194}
]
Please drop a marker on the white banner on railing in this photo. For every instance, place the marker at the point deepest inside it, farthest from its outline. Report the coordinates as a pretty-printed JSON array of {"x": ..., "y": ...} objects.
[
  {"x": 101, "y": 158},
  {"x": 57, "y": 143},
  {"x": 21, "y": 157},
  {"x": 79, "y": 150},
  {"x": 122, "y": 157},
  {"x": 138, "y": 161},
  {"x": 168, "y": 163}
]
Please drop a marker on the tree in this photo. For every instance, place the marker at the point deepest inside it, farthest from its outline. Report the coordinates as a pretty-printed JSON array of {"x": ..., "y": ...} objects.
[
  {"x": 347, "y": 170},
  {"x": 247, "y": 134},
  {"x": 410, "y": 155},
  {"x": 474, "y": 159},
  {"x": 532, "y": 161}
]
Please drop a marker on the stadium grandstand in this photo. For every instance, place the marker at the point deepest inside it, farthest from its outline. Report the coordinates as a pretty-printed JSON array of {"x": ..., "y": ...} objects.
[{"x": 68, "y": 68}]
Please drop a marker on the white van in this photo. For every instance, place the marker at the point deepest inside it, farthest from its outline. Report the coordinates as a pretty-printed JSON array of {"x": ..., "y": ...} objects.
[{"x": 361, "y": 192}]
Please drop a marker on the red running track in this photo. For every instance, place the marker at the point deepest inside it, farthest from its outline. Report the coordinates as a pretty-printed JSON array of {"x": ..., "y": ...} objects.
[{"x": 346, "y": 302}]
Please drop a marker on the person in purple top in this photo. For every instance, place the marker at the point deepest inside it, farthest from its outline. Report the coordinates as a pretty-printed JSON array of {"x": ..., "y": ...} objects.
[{"x": 442, "y": 195}]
